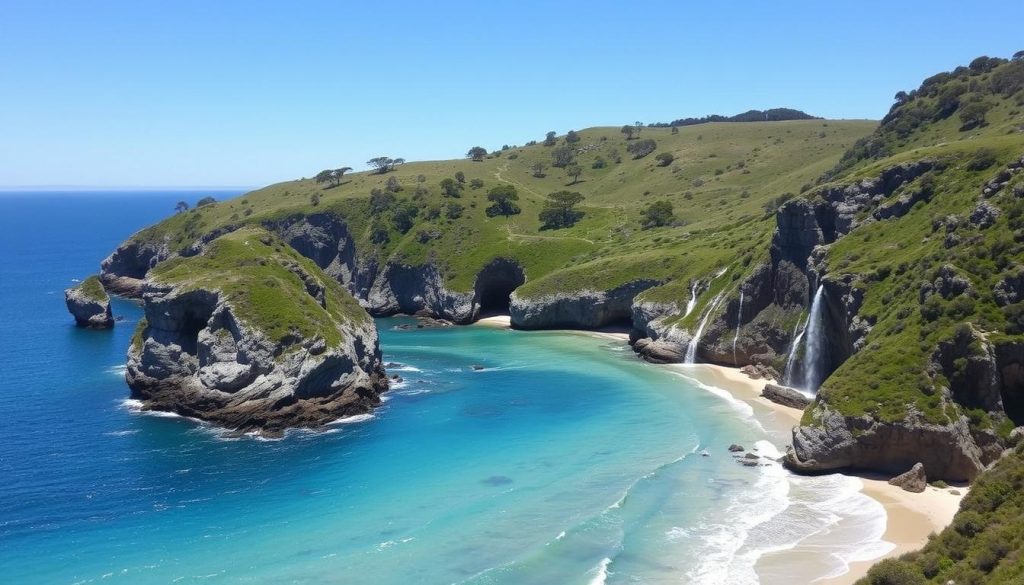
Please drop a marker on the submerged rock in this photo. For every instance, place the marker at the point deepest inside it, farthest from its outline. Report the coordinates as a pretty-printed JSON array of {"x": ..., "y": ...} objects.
[
  {"x": 252, "y": 337},
  {"x": 89, "y": 304},
  {"x": 914, "y": 480}
]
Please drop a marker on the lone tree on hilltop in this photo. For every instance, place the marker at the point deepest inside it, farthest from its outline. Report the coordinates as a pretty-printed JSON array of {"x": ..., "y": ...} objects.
[
  {"x": 205, "y": 201},
  {"x": 503, "y": 199},
  {"x": 384, "y": 164},
  {"x": 558, "y": 211},
  {"x": 181, "y": 207},
  {"x": 574, "y": 170},
  {"x": 549, "y": 139},
  {"x": 324, "y": 176},
  {"x": 628, "y": 131},
  {"x": 477, "y": 153},
  {"x": 338, "y": 174},
  {"x": 657, "y": 214}
]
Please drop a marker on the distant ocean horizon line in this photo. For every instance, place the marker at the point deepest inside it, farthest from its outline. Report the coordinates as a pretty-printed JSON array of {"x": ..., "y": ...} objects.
[{"x": 110, "y": 188}]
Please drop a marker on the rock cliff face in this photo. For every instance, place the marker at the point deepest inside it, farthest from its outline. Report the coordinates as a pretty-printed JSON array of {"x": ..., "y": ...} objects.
[
  {"x": 588, "y": 309},
  {"x": 204, "y": 351},
  {"x": 124, "y": 271},
  {"x": 89, "y": 304}
]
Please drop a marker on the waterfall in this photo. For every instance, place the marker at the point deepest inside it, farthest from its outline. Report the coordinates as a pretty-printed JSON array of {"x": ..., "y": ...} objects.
[
  {"x": 691, "y": 348},
  {"x": 693, "y": 298},
  {"x": 813, "y": 342},
  {"x": 797, "y": 336},
  {"x": 739, "y": 317}
]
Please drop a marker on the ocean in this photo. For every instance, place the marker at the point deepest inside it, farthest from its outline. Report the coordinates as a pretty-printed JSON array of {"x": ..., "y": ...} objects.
[{"x": 564, "y": 460}]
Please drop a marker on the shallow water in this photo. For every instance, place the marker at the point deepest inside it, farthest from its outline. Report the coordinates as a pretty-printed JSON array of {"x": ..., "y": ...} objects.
[{"x": 565, "y": 460}]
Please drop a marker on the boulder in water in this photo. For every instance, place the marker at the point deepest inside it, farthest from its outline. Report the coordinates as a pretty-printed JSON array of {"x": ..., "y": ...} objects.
[{"x": 89, "y": 304}]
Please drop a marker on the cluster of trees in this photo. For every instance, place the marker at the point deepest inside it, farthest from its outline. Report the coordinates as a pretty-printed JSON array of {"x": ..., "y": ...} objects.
[
  {"x": 503, "y": 201},
  {"x": 182, "y": 206},
  {"x": 772, "y": 115},
  {"x": 657, "y": 214},
  {"x": 559, "y": 210},
  {"x": 632, "y": 131},
  {"x": 642, "y": 148},
  {"x": 331, "y": 176},
  {"x": 967, "y": 90},
  {"x": 384, "y": 164}
]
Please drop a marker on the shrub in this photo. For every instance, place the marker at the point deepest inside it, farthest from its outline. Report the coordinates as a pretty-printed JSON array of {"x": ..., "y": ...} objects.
[
  {"x": 895, "y": 572},
  {"x": 642, "y": 148},
  {"x": 657, "y": 214},
  {"x": 664, "y": 159},
  {"x": 599, "y": 163},
  {"x": 982, "y": 159},
  {"x": 453, "y": 210},
  {"x": 205, "y": 201},
  {"x": 476, "y": 183}
]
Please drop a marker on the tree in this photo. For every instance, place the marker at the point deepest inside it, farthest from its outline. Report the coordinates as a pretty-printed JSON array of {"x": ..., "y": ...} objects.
[
  {"x": 657, "y": 214},
  {"x": 314, "y": 199},
  {"x": 380, "y": 201},
  {"x": 558, "y": 211},
  {"x": 572, "y": 137},
  {"x": 384, "y": 164},
  {"x": 549, "y": 139},
  {"x": 972, "y": 114},
  {"x": 393, "y": 185},
  {"x": 181, "y": 207},
  {"x": 675, "y": 129},
  {"x": 574, "y": 170},
  {"x": 477, "y": 153},
  {"x": 325, "y": 176},
  {"x": 1018, "y": 56},
  {"x": 628, "y": 131},
  {"x": 599, "y": 163},
  {"x": 338, "y": 174},
  {"x": 642, "y": 148},
  {"x": 503, "y": 198},
  {"x": 476, "y": 183},
  {"x": 562, "y": 156},
  {"x": 538, "y": 170},
  {"x": 639, "y": 126},
  {"x": 664, "y": 159},
  {"x": 205, "y": 201},
  {"x": 450, "y": 188},
  {"x": 460, "y": 176},
  {"x": 379, "y": 233},
  {"x": 403, "y": 217},
  {"x": 453, "y": 210}
]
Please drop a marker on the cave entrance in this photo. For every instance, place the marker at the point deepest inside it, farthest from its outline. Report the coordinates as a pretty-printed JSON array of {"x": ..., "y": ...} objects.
[
  {"x": 494, "y": 286},
  {"x": 1012, "y": 391}
]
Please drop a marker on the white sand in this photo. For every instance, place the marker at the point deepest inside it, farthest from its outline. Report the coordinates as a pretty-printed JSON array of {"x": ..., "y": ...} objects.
[{"x": 910, "y": 517}]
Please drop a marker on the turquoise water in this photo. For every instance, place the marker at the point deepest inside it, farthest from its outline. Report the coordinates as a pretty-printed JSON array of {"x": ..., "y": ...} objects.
[{"x": 565, "y": 460}]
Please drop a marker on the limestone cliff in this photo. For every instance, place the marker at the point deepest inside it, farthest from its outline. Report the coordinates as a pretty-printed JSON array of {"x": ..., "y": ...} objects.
[
  {"x": 89, "y": 304},
  {"x": 253, "y": 337}
]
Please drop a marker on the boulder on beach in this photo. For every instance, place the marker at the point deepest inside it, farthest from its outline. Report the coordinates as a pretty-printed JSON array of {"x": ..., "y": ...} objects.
[
  {"x": 786, "y": 396},
  {"x": 914, "y": 480}
]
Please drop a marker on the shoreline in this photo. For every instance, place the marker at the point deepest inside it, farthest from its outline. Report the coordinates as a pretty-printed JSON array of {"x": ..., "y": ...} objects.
[{"x": 909, "y": 518}]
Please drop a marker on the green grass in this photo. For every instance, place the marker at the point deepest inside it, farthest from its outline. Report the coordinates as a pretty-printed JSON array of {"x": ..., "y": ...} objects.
[
  {"x": 93, "y": 289},
  {"x": 249, "y": 268},
  {"x": 718, "y": 213}
]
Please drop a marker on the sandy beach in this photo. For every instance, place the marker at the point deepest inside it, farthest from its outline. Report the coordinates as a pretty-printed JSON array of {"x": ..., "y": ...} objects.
[{"x": 910, "y": 517}]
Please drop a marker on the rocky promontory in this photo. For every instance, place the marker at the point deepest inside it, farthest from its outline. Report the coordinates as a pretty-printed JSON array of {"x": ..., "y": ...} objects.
[
  {"x": 252, "y": 336},
  {"x": 89, "y": 304}
]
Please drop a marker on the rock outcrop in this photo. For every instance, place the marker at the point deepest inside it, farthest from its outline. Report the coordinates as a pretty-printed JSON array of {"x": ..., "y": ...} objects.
[
  {"x": 915, "y": 480},
  {"x": 89, "y": 304},
  {"x": 124, "y": 271},
  {"x": 586, "y": 309},
  {"x": 786, "y": 396},
  {"x": 207, "y": 349}
]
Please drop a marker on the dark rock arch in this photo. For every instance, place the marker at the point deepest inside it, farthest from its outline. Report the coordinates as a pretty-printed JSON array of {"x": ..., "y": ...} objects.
[{"x": 495, "y": 282}]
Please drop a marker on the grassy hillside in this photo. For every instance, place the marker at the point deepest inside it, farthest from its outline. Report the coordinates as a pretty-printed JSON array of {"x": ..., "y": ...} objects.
[{"x": 721, "y": 180}]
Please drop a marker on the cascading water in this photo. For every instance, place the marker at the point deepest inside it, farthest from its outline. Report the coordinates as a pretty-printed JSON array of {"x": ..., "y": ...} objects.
[
  {"x": 739, "y": 316},
  {"x": 814, "y": 342},
  {"x": 693, "y": 298},
  {"x": 691, "y": 348},
  {"x": 797, "y": 336}
]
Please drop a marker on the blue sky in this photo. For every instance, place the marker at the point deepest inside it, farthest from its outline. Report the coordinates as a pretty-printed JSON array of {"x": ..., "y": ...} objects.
[{"x": 148, "y": 93}]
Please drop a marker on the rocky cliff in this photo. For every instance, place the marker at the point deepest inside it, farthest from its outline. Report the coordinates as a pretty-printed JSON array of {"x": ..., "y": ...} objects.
[
  {"x": 253, "y": 337},
  {"x": 89, "y": 304}
]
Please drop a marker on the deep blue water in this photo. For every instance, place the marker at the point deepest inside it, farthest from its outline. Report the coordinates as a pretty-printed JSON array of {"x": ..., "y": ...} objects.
[{"x": 565, "y": 461}]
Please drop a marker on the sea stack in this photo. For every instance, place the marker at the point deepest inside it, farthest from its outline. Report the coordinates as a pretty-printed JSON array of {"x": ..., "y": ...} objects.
[
  {"x": 89, "y": 304},
  {"x": 253, "y": 337}
]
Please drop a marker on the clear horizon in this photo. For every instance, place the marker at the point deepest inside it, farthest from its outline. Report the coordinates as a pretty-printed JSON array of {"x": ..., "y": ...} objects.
[{"x": 127, "y": 95}]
